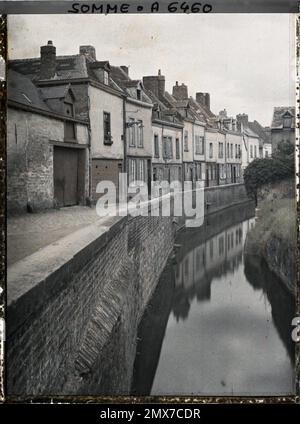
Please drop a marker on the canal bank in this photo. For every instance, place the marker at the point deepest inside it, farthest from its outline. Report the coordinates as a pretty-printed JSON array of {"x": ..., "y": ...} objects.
[
  {"x": 219, "y": 322},
  {"x": 274, "y": 235},
  {"x": 74, "y": 306}
]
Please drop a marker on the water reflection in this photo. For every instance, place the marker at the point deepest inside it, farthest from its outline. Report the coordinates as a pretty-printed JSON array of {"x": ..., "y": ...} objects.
[{"x": 219, "y": 323}]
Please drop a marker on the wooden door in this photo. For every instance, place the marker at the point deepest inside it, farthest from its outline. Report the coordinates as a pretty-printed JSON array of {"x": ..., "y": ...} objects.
[{"x": 66, "y": 176}]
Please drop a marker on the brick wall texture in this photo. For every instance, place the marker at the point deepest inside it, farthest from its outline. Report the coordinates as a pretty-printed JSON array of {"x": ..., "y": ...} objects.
[
  {"x": 83, "y": 338},
  {"x": 75, "y": 333},
  {"x": 30, "y": 178}
]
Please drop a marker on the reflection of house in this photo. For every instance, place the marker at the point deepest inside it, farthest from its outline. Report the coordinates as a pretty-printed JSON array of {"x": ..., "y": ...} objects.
[
  {"x": 209, "y": 257},
  {"x": 47, "y": 147},
  {"x": 198, "y": 267},
  {"x": 283, "y": 126}
]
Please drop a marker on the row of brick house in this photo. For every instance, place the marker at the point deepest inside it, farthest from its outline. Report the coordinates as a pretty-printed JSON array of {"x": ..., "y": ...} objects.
[{"x": 74, "y": 121}]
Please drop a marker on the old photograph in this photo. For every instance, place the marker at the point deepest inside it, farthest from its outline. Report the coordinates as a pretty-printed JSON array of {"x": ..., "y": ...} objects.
[{"x": 151, "y": 207}]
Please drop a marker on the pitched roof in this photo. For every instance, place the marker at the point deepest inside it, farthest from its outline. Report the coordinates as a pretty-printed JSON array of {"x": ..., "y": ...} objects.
[
  {"x": 22, "y": 90},
  {"x": 248, "y": 131},
  {"x": 278, "y": 115},
  {"x": 202, "y": 110},
  {"x": 128, "y": 85},
  {"x": 67, "y": 67},
  {"x": 165, "y": 114},
  {"x": 260, "y": 131},
  {"x": 55, "y": 92}
]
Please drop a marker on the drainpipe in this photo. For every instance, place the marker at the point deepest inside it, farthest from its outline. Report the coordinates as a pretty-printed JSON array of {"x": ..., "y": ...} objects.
[
  {"x": 90, "y": 162},
  {"x": 89, "y": 147},
  {"x": 193, "y": 157},
  {"x": 225, "y": 155},
  {"x": 182, "y": 168},
  {"x": 124, "y": 136}
]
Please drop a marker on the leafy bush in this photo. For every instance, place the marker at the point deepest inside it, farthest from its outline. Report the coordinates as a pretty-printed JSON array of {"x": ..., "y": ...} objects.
[{"x": 263, "y": 171}]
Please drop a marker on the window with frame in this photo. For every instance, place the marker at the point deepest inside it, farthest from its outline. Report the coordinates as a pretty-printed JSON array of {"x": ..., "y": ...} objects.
[
  {"x": 107, "y": 128},
  {"x": 255, "y": 151},
  {"x": 210, "y": 150},
  {"x": 221, "y": 152},
  {"x": 140, "y": 134},
  {"x": 198, "y": 171},
  {"x": 228, "y": 171},
  {"x": 156, "y": 146},
  {"x": 131, "y": 133},
  {"x": 177, "y": 146},
  {"x": 287, "y": 121},
  {"x": 251, "y": 151},
  {"x": 199, "y": 145},
  {"x": 167, "y": 147},
  {"x": 236, "y": 151},
  {"x": 141, "y": 170},
  {"x": 132, "y": 171},
  {"x": 231, "y": 150},
  {"x": 69, "y": 109},
  {"x": 186, "y": 141},
  {"x": 228, "y": 150}
]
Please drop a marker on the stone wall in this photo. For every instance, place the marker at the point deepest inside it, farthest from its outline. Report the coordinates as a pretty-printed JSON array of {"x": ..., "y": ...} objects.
[
  {"x": 74, "y": 307},
  {"x": 30, "y": 139},
  {"x": 274, "y": 235},
  {"x": 220, "y": 197},
  {"x": 277, "y": 190}
]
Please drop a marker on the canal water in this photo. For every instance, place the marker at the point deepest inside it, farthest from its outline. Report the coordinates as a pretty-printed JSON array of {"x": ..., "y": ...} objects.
[{"x": 219, "y": 322}]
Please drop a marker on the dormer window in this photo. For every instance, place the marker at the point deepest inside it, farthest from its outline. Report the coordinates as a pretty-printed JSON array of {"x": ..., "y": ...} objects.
[
  {"x": 105, "y": 78},
  {"x": 138, "y": 94},
  {"x": 69, "y": 109},
  {"x": 287, "y": 121}
]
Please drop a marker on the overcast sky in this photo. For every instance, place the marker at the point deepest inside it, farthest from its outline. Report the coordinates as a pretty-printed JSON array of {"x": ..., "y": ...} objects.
[{"x": 245, "y": 61}]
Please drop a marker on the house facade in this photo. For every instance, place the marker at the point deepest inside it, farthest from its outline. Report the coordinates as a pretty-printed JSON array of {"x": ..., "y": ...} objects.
[
  {"x": 250, "y": 141},
  {"x": 96, "y": 122},
  {"x": 167, "y": 151},
  {"x": 47, "y": 148},
  {"x": 283, "y": 126},
  {"x": 167, "y": 133},
  {"x": 137, "y": 127}
]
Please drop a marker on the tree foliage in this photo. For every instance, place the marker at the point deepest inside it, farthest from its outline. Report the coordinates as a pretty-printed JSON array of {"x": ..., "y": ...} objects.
[{"x": 277, "y": 168}]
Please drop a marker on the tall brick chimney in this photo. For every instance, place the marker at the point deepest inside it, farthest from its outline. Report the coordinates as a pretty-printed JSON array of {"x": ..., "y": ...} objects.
[
  {"x": 180, "y": 92},
  {"x": 88, "y": 51},
  {"x": 156, "y": 84},
  {"x": 242, "y": 119},
  {"x": 48, "y": 61},
  {"x": 203, "y": 99}
]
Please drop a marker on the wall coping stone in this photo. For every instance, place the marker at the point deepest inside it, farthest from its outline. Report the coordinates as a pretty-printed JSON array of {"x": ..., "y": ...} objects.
[{"x": 36, "y": 278}]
